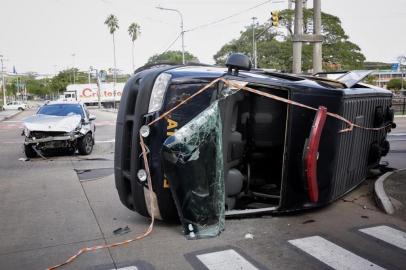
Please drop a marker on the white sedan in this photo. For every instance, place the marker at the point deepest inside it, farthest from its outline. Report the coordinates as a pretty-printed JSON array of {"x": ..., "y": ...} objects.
[{"x": 15, "y": 105}]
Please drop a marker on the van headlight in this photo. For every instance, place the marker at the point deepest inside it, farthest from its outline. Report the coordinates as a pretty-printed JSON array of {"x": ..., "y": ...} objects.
[{"x": 158, "y": 92}]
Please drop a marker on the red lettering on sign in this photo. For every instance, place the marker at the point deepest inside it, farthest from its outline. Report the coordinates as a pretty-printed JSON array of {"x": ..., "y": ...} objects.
[{"x": 87, "y": 92}]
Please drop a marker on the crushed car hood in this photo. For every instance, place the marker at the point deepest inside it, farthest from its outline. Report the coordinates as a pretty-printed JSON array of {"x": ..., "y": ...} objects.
[{"x": 42, "y": 122}]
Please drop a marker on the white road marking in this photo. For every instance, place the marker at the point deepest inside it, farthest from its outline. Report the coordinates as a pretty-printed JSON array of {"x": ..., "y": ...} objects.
[
  {"x": 107, "y": 141},
  {"x": 127, "y": 268},
  {"x": 396, "y": 134},
  {"x": 12, "y": 121},
  {"x": 225, "y": 259},
  {"x": 331, "y": 254},
  {"x": 388, "y": 235}
]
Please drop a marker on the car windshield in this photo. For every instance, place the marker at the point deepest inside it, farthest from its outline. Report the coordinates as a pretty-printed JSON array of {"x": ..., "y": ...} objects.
[{"x": 61, "y": 110}]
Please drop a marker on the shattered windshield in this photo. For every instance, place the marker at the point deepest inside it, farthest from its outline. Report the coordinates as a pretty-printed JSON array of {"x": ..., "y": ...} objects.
[
  {"x": 197, "y": 183},
  {"x": 61, "y": 110}
]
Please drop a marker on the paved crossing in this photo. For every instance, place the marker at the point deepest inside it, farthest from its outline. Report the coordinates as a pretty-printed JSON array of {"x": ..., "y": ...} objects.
[
  {"x": 338, "y": 257},
  {"x": 388, "y": 235},
  {"x": 331, "y": 254}
]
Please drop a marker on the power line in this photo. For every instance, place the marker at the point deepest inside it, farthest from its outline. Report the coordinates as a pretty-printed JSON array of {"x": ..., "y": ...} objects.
[
  {"x": 173, "y": 42},
  {"x": 232, "y": 15}
]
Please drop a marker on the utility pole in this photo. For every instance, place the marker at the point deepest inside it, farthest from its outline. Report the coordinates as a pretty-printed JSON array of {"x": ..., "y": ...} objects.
[
  {"x": 298, "y": 37},
  {"x": 73, "y": 69},
  {"x": 3, "y": 81},
  {"x": 297, "y": 43},
  {"x": 254, "y": 43},
  {"x": 182, "y": 31},
  {"x": 401, "y": 59},
  {"x": 317, "y": 51}
]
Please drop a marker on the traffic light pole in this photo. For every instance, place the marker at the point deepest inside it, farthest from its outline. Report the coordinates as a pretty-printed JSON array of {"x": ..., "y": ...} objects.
[{"x": 297, "y": 43}]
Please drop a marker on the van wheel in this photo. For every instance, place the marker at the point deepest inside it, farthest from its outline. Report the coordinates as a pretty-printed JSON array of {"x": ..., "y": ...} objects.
[
  {"x": 29, "y": 151},
  {"x": 85, "y": 144}
]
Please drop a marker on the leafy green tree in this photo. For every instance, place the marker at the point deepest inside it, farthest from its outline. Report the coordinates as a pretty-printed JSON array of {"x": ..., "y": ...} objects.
[
  {"x": 134, "y": 32},
  {"x": 274, "y": 48},
  {"x": 396, "y": 84},
  {"x": 173, "y": 57},
  {"x": 59, "y": 82},
  {"x": 371, "y": 79},
  {"x": 38, "y": 87}
]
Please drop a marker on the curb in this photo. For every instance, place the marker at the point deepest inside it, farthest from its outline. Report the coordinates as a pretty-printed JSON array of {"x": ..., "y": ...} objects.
[
  {"x": 381, "y": 197},
  {"x": 110, "y": 111},
  {"x": 9, "y": 116}
]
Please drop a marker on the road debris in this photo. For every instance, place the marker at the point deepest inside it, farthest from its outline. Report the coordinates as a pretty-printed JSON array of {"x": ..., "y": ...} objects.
[
  {"x": 249, "y": 236},
  {"x": 120, "y": 231},
  {"x": 308, "y": 221}
]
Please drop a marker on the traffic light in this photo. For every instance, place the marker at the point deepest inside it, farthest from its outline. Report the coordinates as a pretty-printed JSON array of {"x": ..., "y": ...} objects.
[{"x": 275, "y": 18}]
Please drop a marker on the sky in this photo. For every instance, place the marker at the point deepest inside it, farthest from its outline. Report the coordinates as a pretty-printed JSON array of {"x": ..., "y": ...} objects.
[{"x": 42, "y": 35}]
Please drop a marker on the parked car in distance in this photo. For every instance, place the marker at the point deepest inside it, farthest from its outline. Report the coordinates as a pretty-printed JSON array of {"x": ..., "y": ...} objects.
[
  {"x": 59, "y": 125},
  {"x": 15, "y": 105}
]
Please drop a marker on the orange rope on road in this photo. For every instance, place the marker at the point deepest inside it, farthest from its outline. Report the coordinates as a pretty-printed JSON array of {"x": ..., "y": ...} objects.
[{"x": 145, "y": 234}]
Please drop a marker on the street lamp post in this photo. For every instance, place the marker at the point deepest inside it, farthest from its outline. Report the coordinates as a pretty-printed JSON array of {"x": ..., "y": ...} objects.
[
  {"x": 181, "y": 29},
  {"x": 254, "y": 43},
  {"x": 2, "y": 80}
]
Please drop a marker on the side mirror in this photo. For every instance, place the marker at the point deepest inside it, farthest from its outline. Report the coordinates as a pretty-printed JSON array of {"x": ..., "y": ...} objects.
[
  {"x": 238, "y": 61},
  {"x": 92, "y": 117}
]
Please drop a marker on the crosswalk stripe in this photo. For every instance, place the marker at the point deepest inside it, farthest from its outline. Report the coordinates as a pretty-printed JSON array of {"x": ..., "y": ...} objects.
[
  {"x": 388, "y": 235},
  {"x": 331, "y": 254},
  {"x": 127, "y": 268},
  {"x": 225, "y": 259}
]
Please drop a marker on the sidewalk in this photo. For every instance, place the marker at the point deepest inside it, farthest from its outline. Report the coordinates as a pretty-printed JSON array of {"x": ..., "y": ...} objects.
[
  {"x": 390, "y": 190},
  {"x": 8, "y": 114}
]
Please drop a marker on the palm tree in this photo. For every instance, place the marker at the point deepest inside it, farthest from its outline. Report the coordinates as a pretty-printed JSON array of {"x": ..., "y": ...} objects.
[
  {"x": 134, "y": 32},
  {"x": 112, "y": 24}
]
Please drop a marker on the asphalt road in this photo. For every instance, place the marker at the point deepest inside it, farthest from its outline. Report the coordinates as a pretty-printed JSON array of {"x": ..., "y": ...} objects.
[
  {"x": 397, "y": 138},
  {"x": 47, "y": 214}
]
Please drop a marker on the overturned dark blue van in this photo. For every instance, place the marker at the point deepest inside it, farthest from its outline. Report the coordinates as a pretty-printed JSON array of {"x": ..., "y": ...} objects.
[{"x": 232, "y": 141}]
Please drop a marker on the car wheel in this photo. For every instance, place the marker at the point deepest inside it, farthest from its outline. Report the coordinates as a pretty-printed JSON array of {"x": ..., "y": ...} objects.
[
  {"x": 29, "y": 151},
  {"x": 85, "y": 144},
  {"x": 20, "y": 109}
]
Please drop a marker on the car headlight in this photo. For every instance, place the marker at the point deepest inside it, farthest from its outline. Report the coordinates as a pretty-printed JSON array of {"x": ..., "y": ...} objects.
[
  {"x": 26, "y": 132},
  {"x": 158, "y": 92}
]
